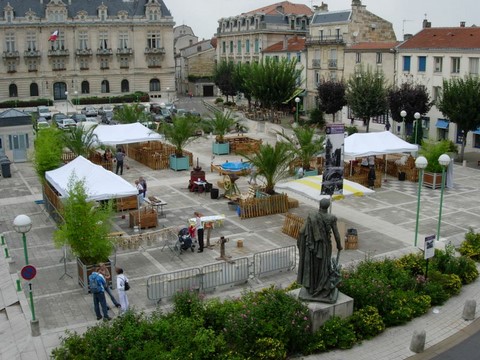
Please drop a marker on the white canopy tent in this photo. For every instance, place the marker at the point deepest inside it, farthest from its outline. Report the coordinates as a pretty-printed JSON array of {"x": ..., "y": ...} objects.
[
  {"x": 100, "y": 184},
  {"x": 112, "y": 135},
  {"x": 376, "y": 143}
]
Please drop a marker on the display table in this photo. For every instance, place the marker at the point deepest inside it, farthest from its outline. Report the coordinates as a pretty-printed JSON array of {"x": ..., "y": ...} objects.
[
  {"x": 156, "y": 202},
  {"x": 144, "y": 218}
]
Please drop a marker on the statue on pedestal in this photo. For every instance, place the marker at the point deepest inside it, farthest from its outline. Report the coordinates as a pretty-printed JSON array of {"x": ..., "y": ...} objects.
[{"x": 319, "y": 273}]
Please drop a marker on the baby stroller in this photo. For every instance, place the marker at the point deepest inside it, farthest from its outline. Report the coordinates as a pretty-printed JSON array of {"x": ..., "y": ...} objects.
[{"x": 185, "y": 240}]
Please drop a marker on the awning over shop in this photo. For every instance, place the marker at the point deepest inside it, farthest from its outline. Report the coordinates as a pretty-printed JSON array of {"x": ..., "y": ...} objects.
[
  {"x": 477, "y": 132},
  {"x": 442, "y": 124},
  {"x": 298, "y": 92}
]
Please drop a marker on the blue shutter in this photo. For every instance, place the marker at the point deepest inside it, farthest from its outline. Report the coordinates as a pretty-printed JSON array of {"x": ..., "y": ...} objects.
[
  {"x": 422, "y": 63},
  {"x": 406, "y": 63}
]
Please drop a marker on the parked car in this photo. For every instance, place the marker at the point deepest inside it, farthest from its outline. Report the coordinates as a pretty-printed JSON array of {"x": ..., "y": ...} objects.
[
  {"x": 66, "y": 124},
  {"x": 104, "y": 108},
  {"x": 164, "y": 115},
  {"x": 107, "y": 117},
  {"x": 89, "y": 111},
  {"x": 59, "y": 117},
  {"x": 79, "y": 117},
  {"x": 44, "y": 111},
  {"x": 42, "y": 123}
]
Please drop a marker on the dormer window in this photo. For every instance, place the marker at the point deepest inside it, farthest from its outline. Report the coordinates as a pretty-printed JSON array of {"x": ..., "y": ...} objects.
[
  {"x": 8, "y": 13},
  {"x": 102, "y": 14},
  {"x": 122, "y": 15},
  {"x": 153, "y": 15}
]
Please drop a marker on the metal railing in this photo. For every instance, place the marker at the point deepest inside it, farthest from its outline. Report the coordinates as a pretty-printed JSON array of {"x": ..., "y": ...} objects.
[{"x": 223, "y": 273}]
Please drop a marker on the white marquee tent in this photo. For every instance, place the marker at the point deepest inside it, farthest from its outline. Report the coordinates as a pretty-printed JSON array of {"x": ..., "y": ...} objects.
[
  {"x": 376, "y": 143},
  {"x": 112, "y": 135},
  {"x": 100, "y": 184}
]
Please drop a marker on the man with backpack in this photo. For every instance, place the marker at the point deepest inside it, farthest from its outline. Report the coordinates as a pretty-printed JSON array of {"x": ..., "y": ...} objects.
[{"x": 97, "y": 285}]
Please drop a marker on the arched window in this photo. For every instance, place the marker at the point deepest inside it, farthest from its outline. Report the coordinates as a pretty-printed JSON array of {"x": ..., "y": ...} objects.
[
  {"x": 125, "y": 86},
  {"x": 105, "y": 86},
  {"x": 154, "y": 85},
  {"x": 85, "y": 87},
  {"x": 33, "y": 89},
  {"x": 12, "y": 90}
]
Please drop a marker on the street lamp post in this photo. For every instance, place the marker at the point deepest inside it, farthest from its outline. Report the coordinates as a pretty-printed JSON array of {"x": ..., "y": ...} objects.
[
  {"x": 417, "y": 117},
  {"x": 443, "y": 160},
  {"x": 297, "y": 101},
  {"x": 66, "y": 95},
  {"x": 76, "y": 96},
  {"x": 420, "y": 163},
  {"x": 403, "y": 114},
  {"x": 22, "y": 224}
]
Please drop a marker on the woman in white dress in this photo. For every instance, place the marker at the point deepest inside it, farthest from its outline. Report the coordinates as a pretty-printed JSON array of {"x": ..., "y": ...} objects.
[{"x": 122, "y": 294}]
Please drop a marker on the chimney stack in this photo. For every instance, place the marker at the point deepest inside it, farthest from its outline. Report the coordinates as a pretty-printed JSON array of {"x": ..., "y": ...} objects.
[
  {"x": 323, "y": 7},
  {"x": 462, "y": 23},
  {"x": 426, "y": 24},
  {"x": 407, "y": 37}
]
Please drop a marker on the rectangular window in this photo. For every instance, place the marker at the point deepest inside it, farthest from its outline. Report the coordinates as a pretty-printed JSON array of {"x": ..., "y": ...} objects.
[
  {"x": 154, "y": 40},
  {"x": 104, "y": 63},
  {"x": 379, "y": 57},
  {"x": 83, "y": 63},
  {"x": 425, "y": 126},
  {"x": 32, "y": 65},
  {"x": 224, "y": 47},
  {"x": 299, "y": 57},
  {"x": 11, "y": 66},
  {"x": 473, "y": 66},
  {"x": 59, "y": 44},
  {"x": 31, "y": 41},
  {"x": 239, "y": 46},
  {"x": 422, "y": 63},
  {"x": 247, "y": 46},
  {"x": 358, "y": 58},
  {"x": 154, "y": 61},
  {"x": 321, "y": 35},
  {"x": 257, "y": 46},
  {"x": 455, "y": 65},
  {"x": 436, "y": 92},
  {"x": 10, "y": 42},
  {"x": 337, "y": 34},
  {"x": 406, "y": 63},
  {"x": 123, "y": 40},
  {"x": 58, "y": 64},
  {"x": 103, "y": 40},
  {"x": 437, "y": 64},
  {"x": 289, "y": 56},
  {"x": 83, "y": 40},
  {"x": 231, "y": 47}
]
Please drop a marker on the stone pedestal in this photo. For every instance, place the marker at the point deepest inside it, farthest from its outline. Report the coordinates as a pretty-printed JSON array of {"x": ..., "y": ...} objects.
[{"x": 321, "y": 312}]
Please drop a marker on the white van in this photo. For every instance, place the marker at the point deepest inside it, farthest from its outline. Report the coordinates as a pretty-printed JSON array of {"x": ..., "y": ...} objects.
[{"x": 44, "y": 111}]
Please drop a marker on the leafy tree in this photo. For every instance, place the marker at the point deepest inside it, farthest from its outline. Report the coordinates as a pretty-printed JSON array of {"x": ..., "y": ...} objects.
[
  {"x": 272, "y": 162},
  {"x": 316, "y": 118},
  {"x": 241, "y": 73},
  {"x": 85, "y": 226},
  {"x": 367, "y": 95},
  {"x": 181, "y": 132},
  {"x": 80, "y": 140},
  {"x": 304, "y": 144},
  {"x": 223, "y": 77},
  {"x": 460, "y": 102},
  {"x": 48, "y": 151},
  {"x": 272, "y": 82},
  {"x": 412, "y": 99},
  {"x": 331, "y": 95},
  {"x": 128, "y": 114}
]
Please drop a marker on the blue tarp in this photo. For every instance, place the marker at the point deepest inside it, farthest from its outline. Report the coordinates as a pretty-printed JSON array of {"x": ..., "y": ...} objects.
[{"x": 442, "y": 124}]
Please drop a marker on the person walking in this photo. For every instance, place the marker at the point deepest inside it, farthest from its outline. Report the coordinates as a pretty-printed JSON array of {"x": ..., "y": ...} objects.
[
  {"x": 140, "y": 192},
  {"x": 122, "y": 293},
  {"x": 199, "y": 227},
  {"x": 102, "y": 269},
  {"x": 143, "y": 182},
  {"x": 119, "y": 157},
  {"x": 97, "y": 288}
]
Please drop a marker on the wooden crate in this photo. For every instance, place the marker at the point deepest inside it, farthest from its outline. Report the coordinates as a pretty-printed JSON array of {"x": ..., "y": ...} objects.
[
  {"x": 127, "y": 203},
  {"x": 351, "y": 242},
  {"x": 148, "y": 218}
]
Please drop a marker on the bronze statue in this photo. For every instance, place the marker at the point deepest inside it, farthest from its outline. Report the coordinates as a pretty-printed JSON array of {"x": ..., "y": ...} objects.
[{"x": 318, "y": 272}]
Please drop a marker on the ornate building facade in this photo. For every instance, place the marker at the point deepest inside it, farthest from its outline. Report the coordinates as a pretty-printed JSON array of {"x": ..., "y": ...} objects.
[{"x": 78, "y": 48}]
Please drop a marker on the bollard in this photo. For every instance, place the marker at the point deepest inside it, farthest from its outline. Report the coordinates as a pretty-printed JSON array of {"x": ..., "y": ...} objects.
[
  {"x": 239, "y": 243},
  {"x": 464, "y": 163},
  {"x": 6, "y": 253},
  {"x": 469, "y": 310},
  {"x": 35, "y": 327},
  {"x": 19, "y": 285},
  {"x": 417, "y": 345},
  {"x": 3, "y": 239}
]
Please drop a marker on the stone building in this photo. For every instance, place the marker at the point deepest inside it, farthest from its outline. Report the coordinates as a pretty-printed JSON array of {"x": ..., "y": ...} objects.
[
  {"x": 183, "y": 36},
  {"x": 331, "y": 33},
  {"x": 432, "y": 56},
  {"x": 85, "y": 48},
  {"x": 242, "y": 38}
]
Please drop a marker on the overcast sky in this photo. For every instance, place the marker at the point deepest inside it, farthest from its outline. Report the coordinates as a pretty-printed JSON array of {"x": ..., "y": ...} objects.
[{"x": 405, "y": 15}]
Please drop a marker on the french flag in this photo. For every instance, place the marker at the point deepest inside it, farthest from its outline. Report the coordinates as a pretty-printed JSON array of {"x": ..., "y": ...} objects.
[{"x": 54, "y": 36}]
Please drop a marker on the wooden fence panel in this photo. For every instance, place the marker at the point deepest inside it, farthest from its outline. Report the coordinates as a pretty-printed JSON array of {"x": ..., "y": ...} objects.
[
  {"x": 275, "y": 204},
  {"x": 292, "y": 225}
]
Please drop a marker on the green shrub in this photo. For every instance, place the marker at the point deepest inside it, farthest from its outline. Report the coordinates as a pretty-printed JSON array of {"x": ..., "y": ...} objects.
[
  {"x": 446, "y": 262},
  {"x": 367, "y": 323},
  {"x": 338, "y": 333},
  {"x": 420, "y": 304},
  {"x": 436, "y": 292},
  {"x": 397, "y": 310},
  {"x": 471, "y": 246},
  {"x": 351, "y": 130},
  {"x": 316, "y": 118},
  {"x": 268, "y": 348},
  {"x": 188, "y": 303},
  {"x": 218, "y": 100},
  {"x": 413, "y": 263},
  {"x": 451, "y": 283}
]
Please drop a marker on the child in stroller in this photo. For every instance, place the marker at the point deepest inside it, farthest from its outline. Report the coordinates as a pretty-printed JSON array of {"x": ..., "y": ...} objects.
[{"x": 185, "y": 240}]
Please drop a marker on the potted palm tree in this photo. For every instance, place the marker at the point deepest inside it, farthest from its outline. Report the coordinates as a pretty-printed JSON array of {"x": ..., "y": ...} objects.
[
  {"x": 85, "y": 228},
  {"x": 219, "y": 125},
  {"x": 305, "y": 144},
  {"x": 181, "y": 132},
  {"x": 431, "y": 150},
  {"x": 271, "y": 163}
]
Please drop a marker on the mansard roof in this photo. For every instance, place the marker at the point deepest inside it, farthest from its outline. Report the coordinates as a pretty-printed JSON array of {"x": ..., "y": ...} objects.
[
  {"x": 283, "y": 8},
  {"x": 331, "y": 17}
]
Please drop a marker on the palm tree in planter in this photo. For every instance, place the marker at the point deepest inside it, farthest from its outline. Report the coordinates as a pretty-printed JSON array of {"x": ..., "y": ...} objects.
[
  {"x": 431, "y": 150},
  {"x": 180, "y": 133},
  {"x": 304, "y": 144},
  {"x": 85, "y": 229},
  {"x": 80, "y": 140},
  {"x": 220, "y": 125},
  {"x": 272, "y": 163}
]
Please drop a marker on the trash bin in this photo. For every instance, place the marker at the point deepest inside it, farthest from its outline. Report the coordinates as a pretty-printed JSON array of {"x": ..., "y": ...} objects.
[
  {"x": 214, "y": 193},
  {"x": 401, "y": 176},
  {"x": 5, "y": 164}
]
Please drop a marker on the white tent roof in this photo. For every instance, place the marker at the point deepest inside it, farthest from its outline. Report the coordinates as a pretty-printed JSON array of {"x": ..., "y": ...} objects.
[
  {"x": 100, "y": 184},
  {"x": 376, "y": 143},
  {"x": 112, "y": 135}
]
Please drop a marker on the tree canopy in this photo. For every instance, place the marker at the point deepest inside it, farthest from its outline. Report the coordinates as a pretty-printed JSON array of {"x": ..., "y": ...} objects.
[
  {"x": 331, "y": 96},
  {"x": 367, "y": 95},
  {"x": 459, "y": 101},
  {"x": 223, "y": 77}
]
